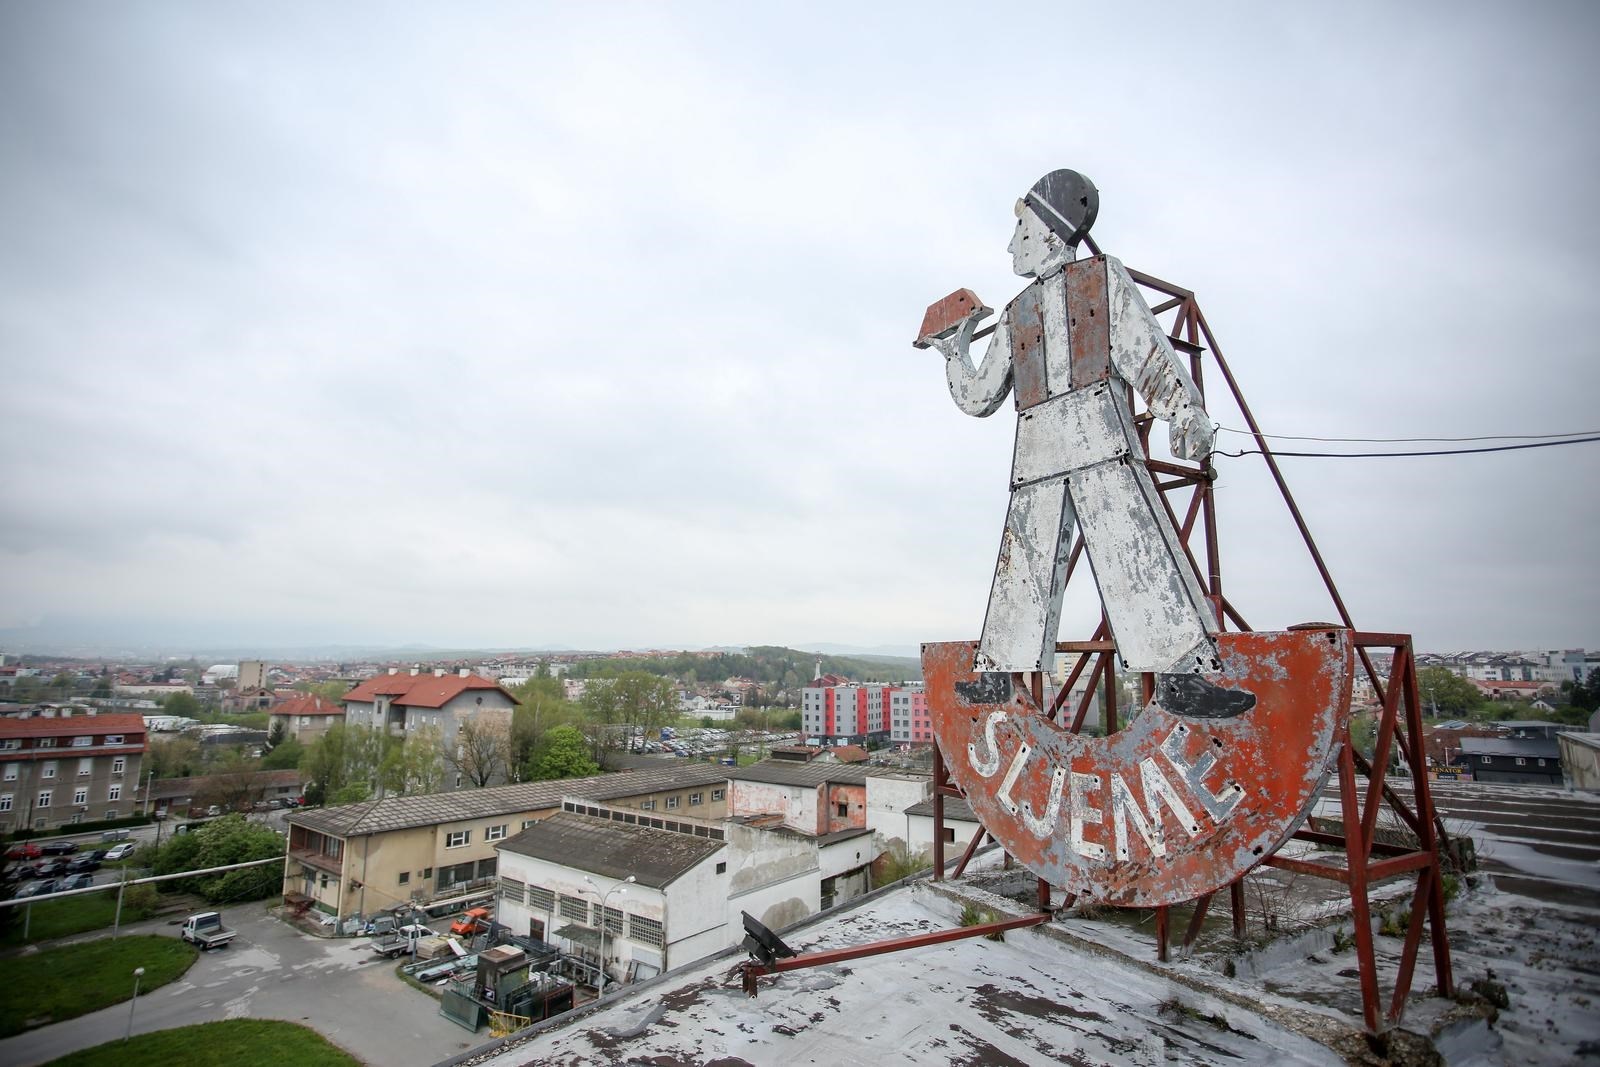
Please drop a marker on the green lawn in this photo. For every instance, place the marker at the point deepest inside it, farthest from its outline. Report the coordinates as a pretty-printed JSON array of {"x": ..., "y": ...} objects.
[
  {"x": 63, "y": 983},
  {"x": 233, "y": 1043},
  {"x": 72, "y": 915}
]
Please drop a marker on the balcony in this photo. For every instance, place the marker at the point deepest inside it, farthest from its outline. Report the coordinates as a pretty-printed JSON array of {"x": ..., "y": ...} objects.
[{"x": 320, "y": 861}]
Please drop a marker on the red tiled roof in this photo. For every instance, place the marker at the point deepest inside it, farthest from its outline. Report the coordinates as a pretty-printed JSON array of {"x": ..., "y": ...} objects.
[
  {"x": 420, "y": 690},
  {"x": 850, "y": 753},
  {"x": 306, "y": 704},
  {"x": 73, "y": 726}
]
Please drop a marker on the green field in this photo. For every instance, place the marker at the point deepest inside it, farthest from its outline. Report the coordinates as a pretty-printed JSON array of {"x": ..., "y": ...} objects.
[
  {"x": 50, "y": 919},
  {"x": 232, "y": 1043},
  {"x": 73, "y": 980}
]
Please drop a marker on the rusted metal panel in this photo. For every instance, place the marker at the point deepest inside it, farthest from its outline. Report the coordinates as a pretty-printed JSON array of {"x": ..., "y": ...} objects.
[
  {"x": 943, "y": 316},
  {"x": 1089, "y": 321},
  {"x": 1028, "y": 357},
  {"x": 1172, "y": 807}
]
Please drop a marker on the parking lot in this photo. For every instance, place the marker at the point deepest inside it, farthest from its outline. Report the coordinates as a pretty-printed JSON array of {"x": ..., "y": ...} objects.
[{"x": 272, "y": 971}]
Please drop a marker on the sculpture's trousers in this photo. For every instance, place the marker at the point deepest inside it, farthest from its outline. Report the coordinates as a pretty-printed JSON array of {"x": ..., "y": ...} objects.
[{"x": 1078, "y": 461}]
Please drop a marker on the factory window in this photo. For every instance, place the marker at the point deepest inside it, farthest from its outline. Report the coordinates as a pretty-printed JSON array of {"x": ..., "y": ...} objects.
[
  {"x": 541, "y": 898},
  {"x": 716, "y": 794},
  {"x": 696, "y": 798},
  {"x": 405, "y": 877},
  {"x": 457, "y": 838},
  {"x": 495, "y": 833},
  {"x": 645, "y": 931}
]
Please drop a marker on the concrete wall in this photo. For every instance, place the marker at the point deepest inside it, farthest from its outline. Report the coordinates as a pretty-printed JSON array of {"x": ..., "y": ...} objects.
[
  {"x": 774, "y": 876},
  {"x": 1581, "y": 764},
  {"x": 844, "y": 807},
  {"x": 796, "y": 804},
  {"x": 920, "y": 828},
  {"x": 887, "y": 799}
]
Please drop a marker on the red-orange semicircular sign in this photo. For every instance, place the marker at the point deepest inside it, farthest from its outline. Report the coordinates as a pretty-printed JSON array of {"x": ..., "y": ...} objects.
[{"x": 1169, "y": 808}]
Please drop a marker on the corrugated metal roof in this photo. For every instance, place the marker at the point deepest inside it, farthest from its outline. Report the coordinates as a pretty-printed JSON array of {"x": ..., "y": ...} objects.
[
  {"x": 788, "y": 772},
  {"x": 955, "y": 810},
  {"x": 433, "y": 809},
  {"x": 655, "y": 858},
  {"x": 1541, "y": 747}
]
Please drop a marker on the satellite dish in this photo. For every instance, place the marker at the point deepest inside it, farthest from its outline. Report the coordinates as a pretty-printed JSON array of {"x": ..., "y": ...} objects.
[{"x": 762, "y": 943}]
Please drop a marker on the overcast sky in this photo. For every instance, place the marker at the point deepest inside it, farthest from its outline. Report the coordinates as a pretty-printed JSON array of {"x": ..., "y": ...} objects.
[{"x": 589, "y": 324}]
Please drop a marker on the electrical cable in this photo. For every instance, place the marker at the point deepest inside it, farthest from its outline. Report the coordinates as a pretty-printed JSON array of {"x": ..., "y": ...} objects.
[
  {"x": 1413, "y": 440},
  {"x": 1388, "y": 455}
]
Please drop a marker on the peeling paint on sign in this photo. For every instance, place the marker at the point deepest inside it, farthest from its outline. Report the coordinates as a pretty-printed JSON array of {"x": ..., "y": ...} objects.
[{"x": 1170, "y": 808}]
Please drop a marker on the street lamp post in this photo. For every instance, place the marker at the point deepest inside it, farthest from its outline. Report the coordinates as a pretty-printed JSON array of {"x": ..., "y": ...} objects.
[
  {"x": 621, "y": 889},
  {"x": 138, "y": 973}
]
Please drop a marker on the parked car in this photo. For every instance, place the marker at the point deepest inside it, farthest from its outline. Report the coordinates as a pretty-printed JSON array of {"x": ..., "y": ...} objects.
[
  {"x": 86, "y": 862},
  {"x": 120, "y": 852},
  {"x": 206, "y": 930},
  {"x": 75, "y": 881},
  {"x": 25, "y": 851},
  {"x": 52, "y": 868},
  {"x": 59, "y": 848},
  {"x": 33, "y": 889},
  {"x": 471, "y": 921}
]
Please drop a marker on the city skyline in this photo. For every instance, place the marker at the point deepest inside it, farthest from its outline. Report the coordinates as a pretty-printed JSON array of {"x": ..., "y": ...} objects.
[{"x": 515, "y": 327}]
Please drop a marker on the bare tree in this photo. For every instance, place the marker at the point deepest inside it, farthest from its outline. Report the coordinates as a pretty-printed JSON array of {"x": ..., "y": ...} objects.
[{"x": 482, "y": 750}]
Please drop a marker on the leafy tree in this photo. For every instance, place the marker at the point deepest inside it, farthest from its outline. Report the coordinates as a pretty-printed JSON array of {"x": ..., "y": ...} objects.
[
  {"x": 178, "y": 758},
  {"x": 563, "y": 754},
  {"x": 351, "y": 793},
  {"x": 223, "y": 841},
  {"x": 1585, "y": 695},
  {"x": 181, "y": 704},
  {"x": 1447, "y": 692},
  {"x": 276, "y": 735},
  {"x": 65, "y": 681},
  {"x": 285, "y": 756},
  {"x": 102, "y": 687},
  {"x": 541, "y": 705},
  {"x": 482, "y": 750},
  {"x": 323, "y": 766},
  {"x": 414, "y": 765}
]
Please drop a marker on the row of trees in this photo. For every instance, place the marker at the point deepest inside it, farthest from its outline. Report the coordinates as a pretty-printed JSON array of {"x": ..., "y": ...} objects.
[{"x": 1446, "y": 694}]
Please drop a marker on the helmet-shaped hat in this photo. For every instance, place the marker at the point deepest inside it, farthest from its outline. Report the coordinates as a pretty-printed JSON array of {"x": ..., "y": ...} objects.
[{"x": 1066, "y": 202}]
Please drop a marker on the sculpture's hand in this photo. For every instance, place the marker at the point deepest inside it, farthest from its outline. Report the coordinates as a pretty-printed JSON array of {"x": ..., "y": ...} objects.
[
  {"x": 1192, "y": 436},
  {"x": 958, "y": 338}
]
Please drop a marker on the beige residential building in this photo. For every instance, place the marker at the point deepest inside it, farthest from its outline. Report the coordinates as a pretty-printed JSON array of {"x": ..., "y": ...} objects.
[
  {"x": 65, "y": 768},
  {"x": 357, "y": 859}
]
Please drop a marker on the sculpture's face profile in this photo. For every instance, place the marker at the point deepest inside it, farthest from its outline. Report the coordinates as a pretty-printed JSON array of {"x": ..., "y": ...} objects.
[{"x": 1034, "y": 247}]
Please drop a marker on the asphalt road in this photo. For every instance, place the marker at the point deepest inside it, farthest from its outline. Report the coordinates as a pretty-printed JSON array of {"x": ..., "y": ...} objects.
[{"x": 272, "y": 971}]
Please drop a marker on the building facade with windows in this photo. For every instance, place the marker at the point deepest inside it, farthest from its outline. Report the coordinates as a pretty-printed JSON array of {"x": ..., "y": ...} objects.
[
  {"x": 65, "y": 768},
  {"x": 840, "y": 713},
  {"x": 358, "y": 859},
  {"x": 305, "y": 717},
  {"x": 909, "y": 722},
  {"x": 567, "y": 878},
  {"x": 403, "y": 702}
]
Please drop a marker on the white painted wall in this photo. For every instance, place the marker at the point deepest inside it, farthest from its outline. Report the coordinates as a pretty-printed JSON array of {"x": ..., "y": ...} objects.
[
  {"x": 920, "y": 828},
  {"x": 887, "y": 799}
]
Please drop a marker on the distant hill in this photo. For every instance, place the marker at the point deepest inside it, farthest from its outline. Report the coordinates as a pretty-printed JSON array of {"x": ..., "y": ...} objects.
[{"x": 773, "y": 666}]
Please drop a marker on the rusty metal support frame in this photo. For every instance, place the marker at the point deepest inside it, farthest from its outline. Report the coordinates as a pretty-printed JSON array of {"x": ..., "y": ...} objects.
[
  {"x": 1400, "y": 726},
  {"x": 753, "y": 969}
]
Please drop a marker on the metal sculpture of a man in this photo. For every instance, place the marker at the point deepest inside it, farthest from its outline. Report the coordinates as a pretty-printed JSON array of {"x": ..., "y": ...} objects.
[{"x": 1068, "y": 346}]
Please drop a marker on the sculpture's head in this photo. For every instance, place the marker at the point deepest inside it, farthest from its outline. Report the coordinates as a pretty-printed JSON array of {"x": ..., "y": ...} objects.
[{"x": 1052, "y": 217}]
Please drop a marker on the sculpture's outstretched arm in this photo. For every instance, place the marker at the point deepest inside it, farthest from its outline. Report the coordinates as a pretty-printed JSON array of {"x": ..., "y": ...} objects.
[
  {"x": 976, "y": 390},
  {"x": 1142, "y": 355}
]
